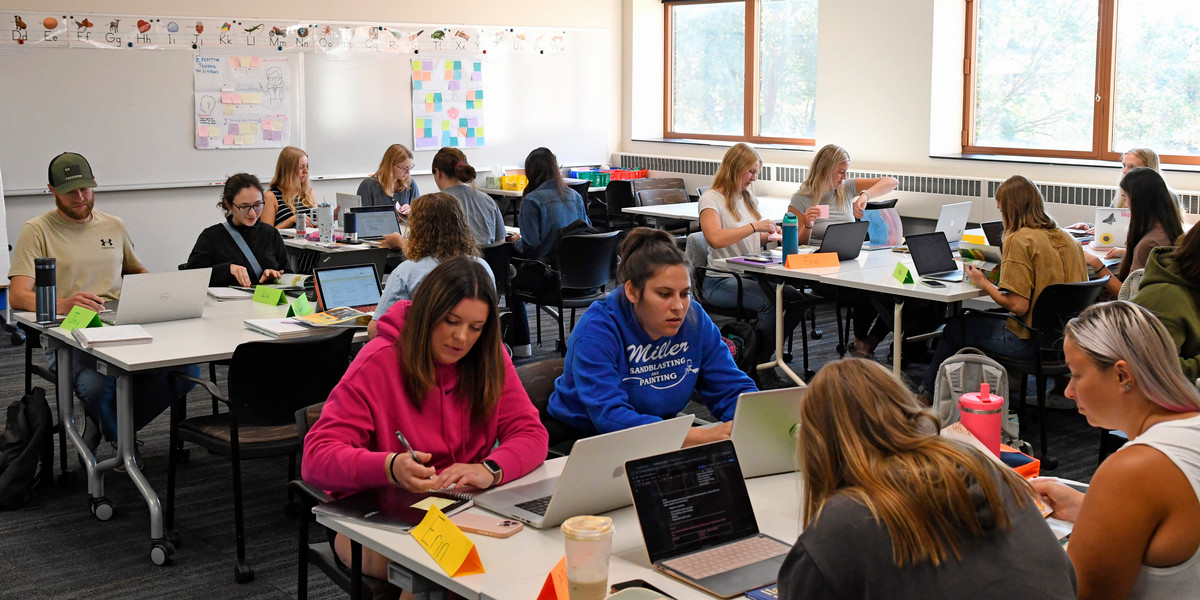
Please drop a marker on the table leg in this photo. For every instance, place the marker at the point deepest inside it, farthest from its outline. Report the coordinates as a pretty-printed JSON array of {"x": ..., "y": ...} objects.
[
  {"x": 779, "y": 335},
  {"x": 126, "y": 443},
  {"x": 66, "y": 411},
  {"x": 897, "y": 334}
]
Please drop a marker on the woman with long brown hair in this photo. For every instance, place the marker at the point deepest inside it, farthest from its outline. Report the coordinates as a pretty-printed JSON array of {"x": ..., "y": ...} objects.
[
  {"x": 437, "y": 373},
  {"x": 290, "y": 190},
  {"x": 893, "y": 509}
]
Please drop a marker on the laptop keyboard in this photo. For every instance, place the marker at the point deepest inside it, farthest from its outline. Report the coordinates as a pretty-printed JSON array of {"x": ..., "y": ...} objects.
[
  {"x": 536, "y": 506},
  {"x": 726, "y": 558}
]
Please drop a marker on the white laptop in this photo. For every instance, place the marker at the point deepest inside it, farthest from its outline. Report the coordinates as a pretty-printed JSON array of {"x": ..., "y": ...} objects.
[
  {"x": 592, "y": 481},
  {"x": 1112, "y": 225},
  {"x": 167, "y": 296},
  {"x": 952, "y": 221},
  {"x": 764, "y": 431}
]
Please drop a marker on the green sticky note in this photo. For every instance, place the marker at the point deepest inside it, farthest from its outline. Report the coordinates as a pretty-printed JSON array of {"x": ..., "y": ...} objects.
[
  {"x": 80, "y": 318},
  {"x": 429, "y": 97},
  {"x": 445, "y": 125},
  {"x": 300, "y": 307},
  {"x": 420, "y": 124},
  {"x": 902, "y": 274},
  {"x": 268, "y": 295}
]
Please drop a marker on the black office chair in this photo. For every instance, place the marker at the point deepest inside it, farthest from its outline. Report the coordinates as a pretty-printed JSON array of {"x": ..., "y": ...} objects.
[
  {"x": 1056, "y": 305},
  {"x": 619, "y": 195},
  {"x": 538, "y": 380},
  {"x": 260, "y": 421},
  {"x": 499, "y": 256},
  {"x": 663, "y": 196},
  {"x": 586, "y": 264}
]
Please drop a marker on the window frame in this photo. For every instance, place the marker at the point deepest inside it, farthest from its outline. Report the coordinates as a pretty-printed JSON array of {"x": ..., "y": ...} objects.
[
  {"x": 1102, "y": 112},
  {"x": 750, "y": 118}
]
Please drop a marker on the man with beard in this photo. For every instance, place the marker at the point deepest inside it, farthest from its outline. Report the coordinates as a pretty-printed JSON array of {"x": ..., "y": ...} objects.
[{"x": 92, "y": 252}]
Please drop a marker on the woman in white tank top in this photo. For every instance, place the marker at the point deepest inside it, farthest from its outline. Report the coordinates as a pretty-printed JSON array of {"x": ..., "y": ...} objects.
[{"x": 1137, "y": 531}]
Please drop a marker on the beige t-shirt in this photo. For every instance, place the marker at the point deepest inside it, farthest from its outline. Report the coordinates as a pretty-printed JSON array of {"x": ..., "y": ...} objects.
[
  {"x": 713, "y": 200},
  {"x": 90, "y": 257},
  {"x": 1035, "y": 258}
]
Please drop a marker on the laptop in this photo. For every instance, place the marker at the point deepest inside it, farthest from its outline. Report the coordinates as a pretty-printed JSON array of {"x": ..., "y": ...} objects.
[
  {"x": 994, "y": 232},
  {"x": 372, "y": 225},
  {"x": 697, "y": 521},
  {"x": 1112, "y": 225},
  {"x": 166, "y": 296},
  {"x": 355, "y": 286},
  {"x": 592, "y": 481},
  {"x": 764, "y": 430},
  {"x": 375, "y": 256},
  {"x": 846, "y": 239},
  {"x": 932, "y": 257},
  {"x": 952, "y": 221}
]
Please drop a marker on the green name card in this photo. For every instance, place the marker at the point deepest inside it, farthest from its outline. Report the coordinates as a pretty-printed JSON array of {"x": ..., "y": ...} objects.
[
  {"x": 268, "y": 295},
  {"x": 80, "y": 318},
  {"x": 300, "y": 307},
  {"x": 902, "y": 274}
]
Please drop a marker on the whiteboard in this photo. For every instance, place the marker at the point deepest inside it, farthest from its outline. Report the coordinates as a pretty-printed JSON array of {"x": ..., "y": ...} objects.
[
  {"x": 355, "y": 109},
  {"x": 130, "y": 112}
]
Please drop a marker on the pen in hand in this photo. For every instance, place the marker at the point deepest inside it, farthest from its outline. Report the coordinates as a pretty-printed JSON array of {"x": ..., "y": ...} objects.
[{"x": 407, "y": 446}]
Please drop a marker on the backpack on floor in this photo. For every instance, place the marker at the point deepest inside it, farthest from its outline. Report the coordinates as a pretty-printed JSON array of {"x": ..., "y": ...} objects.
[
  {"x": 26, "y": 449},
  {"x": 962, "y": 373},
  {"x": 745, "y": 345}
]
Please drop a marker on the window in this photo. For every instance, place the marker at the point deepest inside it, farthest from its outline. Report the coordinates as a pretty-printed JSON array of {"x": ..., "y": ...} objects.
[
  {"x": 717, "y": 90},
  {"x": 1082, "y": 78}
]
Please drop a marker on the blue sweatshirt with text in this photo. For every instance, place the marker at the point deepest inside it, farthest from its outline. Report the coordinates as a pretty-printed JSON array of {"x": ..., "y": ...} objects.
[{"x": 615, "y": 377}]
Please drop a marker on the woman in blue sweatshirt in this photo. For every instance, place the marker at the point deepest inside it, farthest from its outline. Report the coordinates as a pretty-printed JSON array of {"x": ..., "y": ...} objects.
[{"x": 645, "y": 349}]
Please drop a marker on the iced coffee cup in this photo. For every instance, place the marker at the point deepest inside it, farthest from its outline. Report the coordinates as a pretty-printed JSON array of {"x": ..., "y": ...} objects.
[{"x": 588, "y": 542}]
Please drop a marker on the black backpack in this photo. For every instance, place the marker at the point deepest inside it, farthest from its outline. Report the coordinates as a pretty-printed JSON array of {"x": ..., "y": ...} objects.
[
  {"x": 746, "y": 346},
  {"x": 26, "y": 449}
]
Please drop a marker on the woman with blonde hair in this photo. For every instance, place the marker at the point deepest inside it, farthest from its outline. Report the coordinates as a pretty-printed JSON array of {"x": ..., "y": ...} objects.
[
  {"x": 1137, "y": 530},
  {"x": 733, "y": 226},
  {"x": 290, "y": 189},
  {"x": 392, "y": 183},
  {"x": 892, "y": 506},
  {"x": 828, "y": 184},
  {"x": 1036, "y": 254}
]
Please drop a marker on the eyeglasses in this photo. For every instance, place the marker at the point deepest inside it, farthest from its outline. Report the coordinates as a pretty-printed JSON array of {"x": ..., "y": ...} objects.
[
  {"x": 403, "y": 169},
  {"x": 256, "y": 207}
]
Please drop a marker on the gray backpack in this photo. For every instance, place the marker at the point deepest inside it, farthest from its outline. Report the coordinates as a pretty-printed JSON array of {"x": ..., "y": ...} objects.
[{"x": 962, "y": 373}]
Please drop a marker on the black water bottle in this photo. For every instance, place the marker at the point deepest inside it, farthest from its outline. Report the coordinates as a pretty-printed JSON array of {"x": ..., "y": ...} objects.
[
  {"x": 350, "y": 226},
  {"x": 45, "y": 289}
]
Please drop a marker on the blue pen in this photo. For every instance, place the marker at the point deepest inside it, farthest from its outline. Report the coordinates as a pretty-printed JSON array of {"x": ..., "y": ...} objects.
[{"x": 413, "y": 454}]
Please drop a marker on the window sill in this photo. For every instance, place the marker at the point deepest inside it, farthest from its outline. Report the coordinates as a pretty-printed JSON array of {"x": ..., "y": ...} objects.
[
  {"x": 1058, "y": 162},
  {"x": 723, "y": 144}
]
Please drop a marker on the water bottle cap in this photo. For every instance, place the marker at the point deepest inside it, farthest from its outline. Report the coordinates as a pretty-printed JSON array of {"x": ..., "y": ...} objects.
[
  {"x": 985, "y": 390},
  {"x": 789, "y": 218}
]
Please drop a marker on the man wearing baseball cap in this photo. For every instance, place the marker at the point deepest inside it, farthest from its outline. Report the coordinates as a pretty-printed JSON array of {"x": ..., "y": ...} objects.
[{"x": 92, "y": 252}]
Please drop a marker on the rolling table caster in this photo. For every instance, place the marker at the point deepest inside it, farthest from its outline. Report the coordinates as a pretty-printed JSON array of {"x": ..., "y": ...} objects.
[
  {"x": 103, "y": 508},
  {"x": 243, "y": 574},
  {"x": 162, "y": 552}
]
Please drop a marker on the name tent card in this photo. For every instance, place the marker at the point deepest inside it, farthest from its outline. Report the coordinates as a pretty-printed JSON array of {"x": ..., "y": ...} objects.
[
  {"x": 300, "y": 307},
  {"x": 555, "y": 587},
  {"x": 80, "y": 317},
  {"x": 268, "y": 295},
  {"x": 447, "y": 544},
  {"x": 902, "y": 274},
  {"x": 812, "y": 261}
]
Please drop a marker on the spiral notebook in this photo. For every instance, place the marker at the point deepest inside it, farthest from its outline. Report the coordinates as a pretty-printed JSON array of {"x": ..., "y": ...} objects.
[{"x": 394, "y": 508}]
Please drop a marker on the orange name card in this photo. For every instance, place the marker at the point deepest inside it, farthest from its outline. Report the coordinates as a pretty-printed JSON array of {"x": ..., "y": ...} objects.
[
  {"x": 555, "y": 587},
  {"x": 447, "y": 544},
  {"x": 812, "y": 261}
]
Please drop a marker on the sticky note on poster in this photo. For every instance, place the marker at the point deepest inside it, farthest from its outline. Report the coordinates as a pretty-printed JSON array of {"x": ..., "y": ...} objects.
[
  {"x": 255, "y": 61},
  {"x": 213, "y": 131},
  {"x": 227, "y": 141},
  {"x": 447, "y": 544},
  {"x": 251, "y": 98}
]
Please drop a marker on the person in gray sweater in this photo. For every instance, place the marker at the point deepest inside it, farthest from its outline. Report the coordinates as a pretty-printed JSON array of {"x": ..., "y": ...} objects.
[{"x": 456, "y": 177}]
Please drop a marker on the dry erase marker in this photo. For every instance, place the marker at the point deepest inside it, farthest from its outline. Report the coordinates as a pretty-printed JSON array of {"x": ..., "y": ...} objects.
[{"x": 400, "y": 436}]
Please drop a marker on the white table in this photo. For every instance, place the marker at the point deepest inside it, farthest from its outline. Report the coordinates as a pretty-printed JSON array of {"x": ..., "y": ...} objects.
[
  {"x": 770, "y": 206},
  {"x": 176, "y": 343},
  {"x": 517, "y": 566}
]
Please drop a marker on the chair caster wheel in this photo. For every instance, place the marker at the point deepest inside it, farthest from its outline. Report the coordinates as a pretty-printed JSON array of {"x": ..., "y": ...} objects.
[
  {"x": 68, "y": 478},
  {"x": 841, "y": 350},
  {"x": 103, "y": 509},
  {"x": 162, "y": 553},
  {"x": 174, "y": 539},
  {"x": 243, "y": 574},
  {"x": 816, "y": 334},
  {"x": 808, "y": 375},
  {"x": 787, "y": 357}
]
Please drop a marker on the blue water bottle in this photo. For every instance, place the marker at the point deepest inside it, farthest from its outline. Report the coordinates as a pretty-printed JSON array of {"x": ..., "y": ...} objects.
[{"x": 791, "y": 235}]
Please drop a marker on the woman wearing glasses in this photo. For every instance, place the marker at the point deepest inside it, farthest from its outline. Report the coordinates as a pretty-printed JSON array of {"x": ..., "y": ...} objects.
[
  {"x": 224, "y": 246},
  {"x": 392, "y": 182}
]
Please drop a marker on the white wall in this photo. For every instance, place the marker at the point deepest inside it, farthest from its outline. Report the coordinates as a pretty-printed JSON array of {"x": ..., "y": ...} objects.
[{"x": 164, "y": 223}]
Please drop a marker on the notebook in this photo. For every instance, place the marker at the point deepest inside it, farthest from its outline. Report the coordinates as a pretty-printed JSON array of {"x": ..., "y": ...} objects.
[
  {"x": 1112, "y": 225},
  {"x": 393, "y": 508},
  {"x": 120, "y": 335},
  {"x": 764, "y": 430},
  {"x": 591, "y": 482},
  {"x": 932, "y": 257},
  {"x": 354, "y": 286},
  {"x": 698, "y": 523},
  {"x": 166, "y": 296}
]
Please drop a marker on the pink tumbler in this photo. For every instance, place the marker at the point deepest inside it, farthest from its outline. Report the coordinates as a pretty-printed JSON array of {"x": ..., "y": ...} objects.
[{"x": 981, "y": 414}]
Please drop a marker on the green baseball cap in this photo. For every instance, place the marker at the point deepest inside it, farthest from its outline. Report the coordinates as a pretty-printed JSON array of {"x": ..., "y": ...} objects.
[{"x": 69, "y": 172}]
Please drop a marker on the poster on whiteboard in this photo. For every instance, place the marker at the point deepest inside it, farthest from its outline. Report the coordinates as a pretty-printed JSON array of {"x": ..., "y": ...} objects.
[
  {"x": 242, "y": 101},
  {"x": 447, "y": 104}
]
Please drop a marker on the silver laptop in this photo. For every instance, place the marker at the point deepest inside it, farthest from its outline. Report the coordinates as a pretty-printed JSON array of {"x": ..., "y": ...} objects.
[
  {"x": 592, "y": 481},
  {"x": 764, "y": 431},
  {"x": 167, "y": 296},
  {"x": 952, "y": 221},
  {"x": 697, "y": 521}
]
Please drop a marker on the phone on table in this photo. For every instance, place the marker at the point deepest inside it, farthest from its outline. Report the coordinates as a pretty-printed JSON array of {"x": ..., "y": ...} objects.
[
  {"x": 489, "y": 525},
  {"x": 636, "y": 583},
  {"x": 759, "y": 258},
  {"x": 933, "y": 283}
]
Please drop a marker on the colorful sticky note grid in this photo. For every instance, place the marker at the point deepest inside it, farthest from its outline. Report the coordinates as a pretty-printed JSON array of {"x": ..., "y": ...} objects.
[{"x": 447, "y": 544}]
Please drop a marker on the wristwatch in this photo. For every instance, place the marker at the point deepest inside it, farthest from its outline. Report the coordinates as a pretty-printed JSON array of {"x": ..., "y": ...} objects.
[{"x": 493, "y": 467}]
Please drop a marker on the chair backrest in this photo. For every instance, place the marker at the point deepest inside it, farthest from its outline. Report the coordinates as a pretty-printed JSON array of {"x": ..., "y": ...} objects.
[
  {"x": 700, "y": 190},
  {"x": 696, "y": 249},
  {"x": 263, "y": 398},
  {"x": 1060, "y": 303},
  {"x": 619, "y": 195},
  {"x": 582, "y": 187},
  {"x": 659, "y": 197},
  {"x": 588, "y": 261},
  {"x": 1131, "y": 285},
  {"x": 538, "y": 380},
  {"x": 658, "y": 183},
  {"x": 498, "y": 256}
]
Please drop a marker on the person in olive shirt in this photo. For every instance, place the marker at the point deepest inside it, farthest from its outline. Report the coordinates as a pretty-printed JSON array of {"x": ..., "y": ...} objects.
[{"x": 242, "y": 201}]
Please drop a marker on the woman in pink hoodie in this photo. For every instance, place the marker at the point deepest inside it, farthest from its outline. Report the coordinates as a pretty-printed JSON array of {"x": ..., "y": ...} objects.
[{"x": 437, "y": 373}]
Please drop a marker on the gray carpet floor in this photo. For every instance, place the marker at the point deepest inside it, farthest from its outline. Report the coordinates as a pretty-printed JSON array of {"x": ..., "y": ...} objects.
[{"x": 54, "y": 548}]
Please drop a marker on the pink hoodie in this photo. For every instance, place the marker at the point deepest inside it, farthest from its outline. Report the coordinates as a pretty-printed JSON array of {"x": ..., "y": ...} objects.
[{"x": 346, "y": 449}]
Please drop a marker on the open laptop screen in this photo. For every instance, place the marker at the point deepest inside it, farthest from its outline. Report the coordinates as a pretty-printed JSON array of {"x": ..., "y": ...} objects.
[
  {"x": 931, "y": 253},
  {"x": 691, "y": 499},
  {"x": 373, "y": 225},
  {"x": 355, "y": 285}
]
